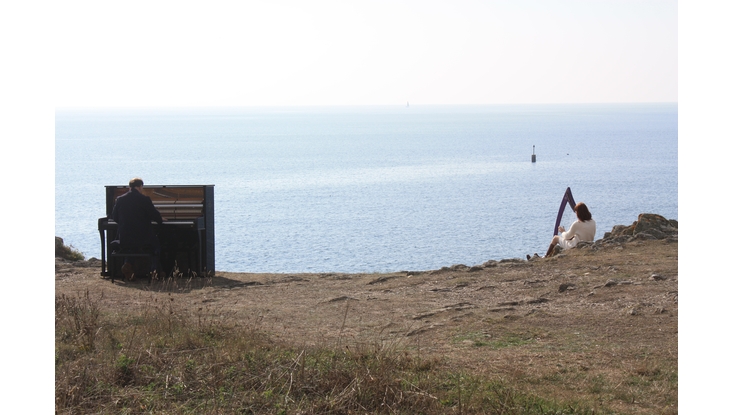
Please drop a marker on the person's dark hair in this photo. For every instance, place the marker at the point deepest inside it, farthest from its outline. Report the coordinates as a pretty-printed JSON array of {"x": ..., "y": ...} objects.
[
  {"x": 582, "y": 212},
  {"x": 136, "y": 182}
]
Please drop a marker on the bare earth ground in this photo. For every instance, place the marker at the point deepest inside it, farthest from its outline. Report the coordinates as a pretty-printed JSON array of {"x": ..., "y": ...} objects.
[{"x": 585, "y": 324}]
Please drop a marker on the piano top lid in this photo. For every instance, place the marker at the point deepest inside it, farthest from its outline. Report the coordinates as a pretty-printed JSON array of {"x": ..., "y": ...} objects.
[
  {"x": 171, "y": 200},
  {"x": 166, "y": 191},
  {"x": 162, "y": 185}
]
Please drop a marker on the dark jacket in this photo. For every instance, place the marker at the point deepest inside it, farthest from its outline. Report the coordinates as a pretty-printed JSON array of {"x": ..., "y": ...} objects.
[{"x": 134, "y": 213}]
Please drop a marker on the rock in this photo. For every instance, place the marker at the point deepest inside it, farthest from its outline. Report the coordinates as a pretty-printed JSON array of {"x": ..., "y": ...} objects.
[
  {"x": 619, "y": 230},
  {"x": 654, "y": 234},
  {"x": 618, "y": 239},
  {"x": 59, "y": 244},
  {"x": 657, "y": 277},
  {"x": 511, "y": 260},
  {"x": 566, "y": 287},
  {"x": 381, "y": 280},
  {"x": 67, "y": 252},
  {"x": 647, "y": 226},
  {"x": 532, "y": 258},
  {"x": 643, "y": 236},
  {"x": 648, "y": 222}
]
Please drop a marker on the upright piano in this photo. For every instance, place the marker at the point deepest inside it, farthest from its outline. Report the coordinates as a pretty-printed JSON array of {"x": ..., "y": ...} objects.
[{"x": 186, "y": 235}]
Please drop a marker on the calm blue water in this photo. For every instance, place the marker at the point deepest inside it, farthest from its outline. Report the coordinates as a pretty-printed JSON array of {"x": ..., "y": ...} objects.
[{"x": 363, "y": 189}]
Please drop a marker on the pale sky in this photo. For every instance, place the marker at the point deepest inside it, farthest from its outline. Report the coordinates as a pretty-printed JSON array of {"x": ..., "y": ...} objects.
[{"x": 364, "y": 53}]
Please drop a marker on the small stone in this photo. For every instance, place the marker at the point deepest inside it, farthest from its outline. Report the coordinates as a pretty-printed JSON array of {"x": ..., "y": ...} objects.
[
  {"x": 511, "y": 261},
  {"x": 566, "y": 287},
  {"x": 658, "y": 277}
]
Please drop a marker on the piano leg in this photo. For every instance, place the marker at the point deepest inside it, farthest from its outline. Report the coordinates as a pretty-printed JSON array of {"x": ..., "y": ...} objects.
[{"x": 104, "y": 255}]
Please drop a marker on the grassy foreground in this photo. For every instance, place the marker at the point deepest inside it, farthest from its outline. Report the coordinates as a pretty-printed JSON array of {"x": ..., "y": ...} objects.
[{"x": 159, "y": 359}]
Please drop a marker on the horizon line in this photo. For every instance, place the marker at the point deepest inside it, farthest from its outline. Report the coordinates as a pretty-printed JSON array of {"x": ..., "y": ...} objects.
[{"x": 273, "y": 106}]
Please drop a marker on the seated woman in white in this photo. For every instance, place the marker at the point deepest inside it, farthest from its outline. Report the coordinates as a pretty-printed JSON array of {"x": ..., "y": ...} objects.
[{"x": 581, "y": 230}]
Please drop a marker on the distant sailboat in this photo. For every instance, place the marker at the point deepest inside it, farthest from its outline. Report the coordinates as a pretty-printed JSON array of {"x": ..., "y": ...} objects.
[{"x": 407, "y": 105}]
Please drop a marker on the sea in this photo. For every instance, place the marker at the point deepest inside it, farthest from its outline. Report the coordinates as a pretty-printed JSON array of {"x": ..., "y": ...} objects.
[{"x": 374, "y": 188}]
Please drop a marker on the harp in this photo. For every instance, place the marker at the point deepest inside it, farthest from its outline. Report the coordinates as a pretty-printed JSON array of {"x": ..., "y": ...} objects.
[{"x": 567, "y": 200}]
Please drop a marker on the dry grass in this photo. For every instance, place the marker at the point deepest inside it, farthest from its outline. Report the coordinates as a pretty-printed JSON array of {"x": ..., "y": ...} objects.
[
  {"x": 547, "y": 336},
  {"x": 162, "y": 360}
]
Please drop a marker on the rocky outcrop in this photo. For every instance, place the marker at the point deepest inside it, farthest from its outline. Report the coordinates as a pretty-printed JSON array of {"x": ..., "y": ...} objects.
[
  {"x": 67, "y": 252},
  {"x": 647, "y": 226}
]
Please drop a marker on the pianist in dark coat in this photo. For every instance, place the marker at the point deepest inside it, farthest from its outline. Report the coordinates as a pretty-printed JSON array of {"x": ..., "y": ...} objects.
[{"x": 134, "y": 213}]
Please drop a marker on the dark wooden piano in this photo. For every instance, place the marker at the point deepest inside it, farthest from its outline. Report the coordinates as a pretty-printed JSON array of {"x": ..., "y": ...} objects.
[{"x": 186, "y": 235}]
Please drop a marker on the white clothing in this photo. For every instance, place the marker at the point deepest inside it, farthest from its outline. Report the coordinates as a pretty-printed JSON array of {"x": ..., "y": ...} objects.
[{"x": 579, "y": 231}]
